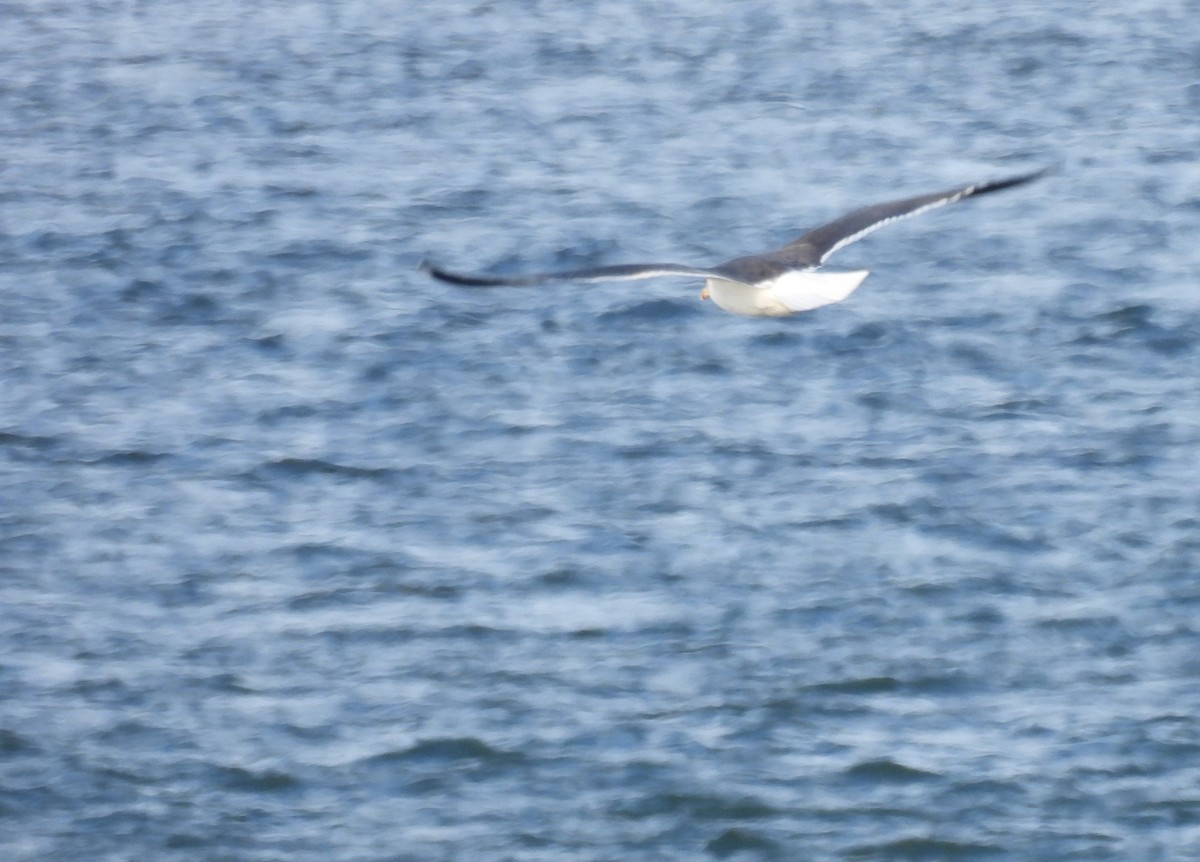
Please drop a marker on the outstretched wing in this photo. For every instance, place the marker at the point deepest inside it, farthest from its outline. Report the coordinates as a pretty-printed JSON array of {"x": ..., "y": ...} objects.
[
  {"x": 620, "y": 272},
  {"x": 814, "y": 247}
]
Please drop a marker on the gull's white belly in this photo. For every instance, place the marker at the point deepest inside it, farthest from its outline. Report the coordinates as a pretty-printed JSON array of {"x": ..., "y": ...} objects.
[
  {"x": 738, "y": 298},
  {"x": 799, "y": 290}
]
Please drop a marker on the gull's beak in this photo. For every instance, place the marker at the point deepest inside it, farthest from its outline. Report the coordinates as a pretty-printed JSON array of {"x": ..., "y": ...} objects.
[{"x": 704, "y": 293}]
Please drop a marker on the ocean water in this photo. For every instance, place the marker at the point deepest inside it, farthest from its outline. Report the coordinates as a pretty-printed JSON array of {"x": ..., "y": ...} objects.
[{"x": 304, "y": 556}]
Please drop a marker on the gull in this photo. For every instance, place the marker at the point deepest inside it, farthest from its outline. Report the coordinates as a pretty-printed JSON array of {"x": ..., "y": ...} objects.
[{"x": 775, "y": 283}]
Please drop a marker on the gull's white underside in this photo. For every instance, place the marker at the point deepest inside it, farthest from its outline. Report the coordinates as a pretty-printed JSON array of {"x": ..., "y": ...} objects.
[{"x": 792, "y": 292}]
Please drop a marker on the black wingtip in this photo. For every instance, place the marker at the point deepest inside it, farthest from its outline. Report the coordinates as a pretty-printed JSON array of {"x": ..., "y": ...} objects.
[
  {"x": 1020, "y": 179},
  {"x": 436, "y": 272},
  {"x": 460, "y": 280}
]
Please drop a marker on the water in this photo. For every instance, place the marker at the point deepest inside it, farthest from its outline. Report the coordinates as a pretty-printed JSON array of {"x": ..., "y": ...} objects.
[{"x": 305, "y": 556}]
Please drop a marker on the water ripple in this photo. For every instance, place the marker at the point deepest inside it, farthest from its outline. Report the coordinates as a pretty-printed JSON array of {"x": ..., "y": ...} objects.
[{"x": 305, "y": 556}]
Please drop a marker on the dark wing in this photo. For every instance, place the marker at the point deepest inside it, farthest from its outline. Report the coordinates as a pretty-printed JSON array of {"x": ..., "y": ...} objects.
[
  {"x": 814, "y": 247},
  {"x": 620, "y": 272}
]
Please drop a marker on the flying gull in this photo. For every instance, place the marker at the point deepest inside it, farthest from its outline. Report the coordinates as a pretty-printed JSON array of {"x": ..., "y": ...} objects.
[{"x": 773, "y": 284}]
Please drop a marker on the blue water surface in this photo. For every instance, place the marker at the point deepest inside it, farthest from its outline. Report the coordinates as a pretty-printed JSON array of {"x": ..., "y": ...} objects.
[{"x": 305, "y": 556}]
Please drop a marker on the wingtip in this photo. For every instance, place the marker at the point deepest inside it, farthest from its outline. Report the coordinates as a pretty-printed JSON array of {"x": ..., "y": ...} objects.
[
  {"x": 1013, "y": 180},
  {"x": 436, "y": 272},
  {"x": 449, "y": 277}
]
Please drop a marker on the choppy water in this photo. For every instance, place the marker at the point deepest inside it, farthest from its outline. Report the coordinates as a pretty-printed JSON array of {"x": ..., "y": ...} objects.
[{"x": 304, "y": 556}]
